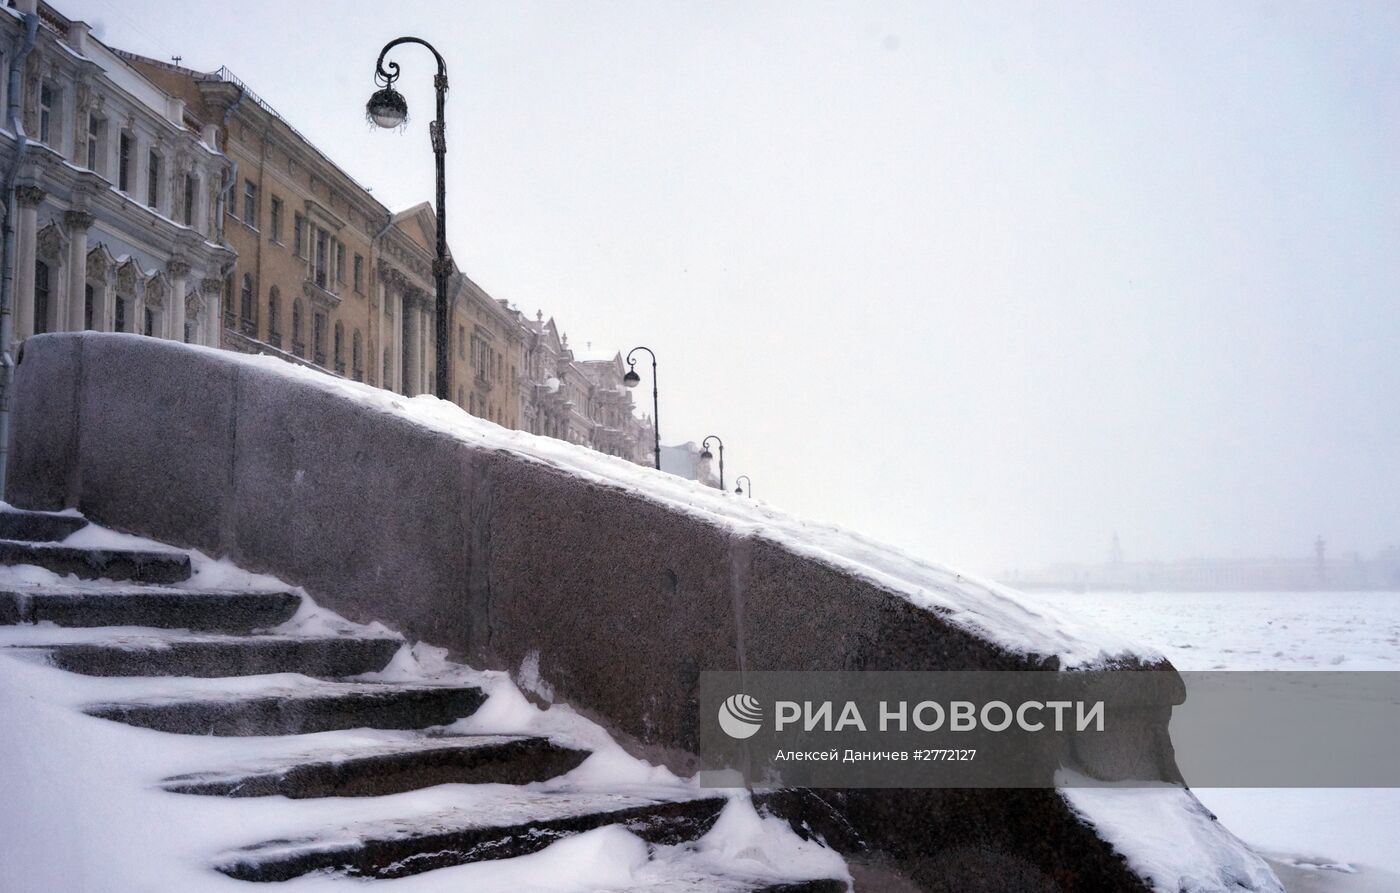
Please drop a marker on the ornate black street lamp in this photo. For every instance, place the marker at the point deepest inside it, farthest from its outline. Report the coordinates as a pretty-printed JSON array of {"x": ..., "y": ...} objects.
[
  {"x": 740, "y": 488},
  {"x": 705, "y": 444},
  {"x": 632, "y": 379},
  {"x": 387, "y": 108}
]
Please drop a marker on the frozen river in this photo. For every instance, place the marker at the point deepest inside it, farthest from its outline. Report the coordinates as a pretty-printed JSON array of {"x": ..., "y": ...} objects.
[{"x": 1276, "y": 631}]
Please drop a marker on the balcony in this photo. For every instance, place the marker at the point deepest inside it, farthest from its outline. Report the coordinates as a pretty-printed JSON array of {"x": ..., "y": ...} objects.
[
  {"x": 275, "y": 339},
  {"x": 248, "y": 327}
]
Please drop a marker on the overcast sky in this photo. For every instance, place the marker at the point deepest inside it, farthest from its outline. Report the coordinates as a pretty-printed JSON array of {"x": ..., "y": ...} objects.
[{"x": 989, "y": 281}]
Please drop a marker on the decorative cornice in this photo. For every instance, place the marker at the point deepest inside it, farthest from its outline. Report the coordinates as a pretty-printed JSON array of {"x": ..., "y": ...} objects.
[{"x": 177, "y": 268}]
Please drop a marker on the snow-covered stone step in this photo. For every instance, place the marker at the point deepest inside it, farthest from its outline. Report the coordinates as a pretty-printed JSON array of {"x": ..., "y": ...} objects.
[
  {"x": 147, "y": 606},
  {"x": 502, "y": 823},
  {"x": 209, "y": 656},
  {"x": 406, "y": 765},
  {"x": 17, "y": 524},
  {"x": 396, "y": 849},
  {"x": 137, "y": 565},
  {"x": 690, "y": 881},
  {"x": 308, "y": 706}
]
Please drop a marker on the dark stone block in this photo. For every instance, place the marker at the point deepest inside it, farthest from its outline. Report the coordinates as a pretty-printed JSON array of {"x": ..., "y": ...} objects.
[
  {"x": 520, "y": 761},
  {"x": 323, "y": 657},
  {"x": 92, "y": 564},
  {"x": 38, "y": 527},
  {"x": 390, "y": 708},
  {"x": 229, "y": 612}
]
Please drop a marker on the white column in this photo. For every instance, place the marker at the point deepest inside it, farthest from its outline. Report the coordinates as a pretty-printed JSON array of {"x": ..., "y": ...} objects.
[
  {"x": 386, "y": 338},
  {"x": 211, "y": 314},
  {"x": 179, "y": 281},
  {"x": 396, "y": 341},
  {"x": 26, "y": 240},
  {"x": 425, "y": 323},
  {"x": 77, "y": 223}
]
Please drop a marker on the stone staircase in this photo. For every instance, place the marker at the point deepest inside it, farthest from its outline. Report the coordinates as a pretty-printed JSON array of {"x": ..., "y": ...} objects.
[{"x": 215, "y": 663}]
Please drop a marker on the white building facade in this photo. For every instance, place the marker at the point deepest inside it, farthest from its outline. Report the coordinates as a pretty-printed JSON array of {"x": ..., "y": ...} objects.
[{"x": 114, "y": 196}]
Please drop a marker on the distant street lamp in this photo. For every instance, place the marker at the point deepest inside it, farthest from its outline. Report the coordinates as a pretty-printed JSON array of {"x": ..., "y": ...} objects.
[
  {"x": 709, "y": 455},
  {"x": 740, "y": 489},
  {"x": 388, "y": 109},
  {"x": 632, "y": 379}
]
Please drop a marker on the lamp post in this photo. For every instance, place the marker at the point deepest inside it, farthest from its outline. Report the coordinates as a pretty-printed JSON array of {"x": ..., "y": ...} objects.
[
  {"x": 388, "y": 109},
  {"x": 740, "y": 488},
  {"x": 632, "y": 379},
  {"x": 706, "y": 454}
]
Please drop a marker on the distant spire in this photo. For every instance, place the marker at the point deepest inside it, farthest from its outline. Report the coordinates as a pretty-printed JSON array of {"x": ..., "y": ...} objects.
[{"x": 539, "y": 316}]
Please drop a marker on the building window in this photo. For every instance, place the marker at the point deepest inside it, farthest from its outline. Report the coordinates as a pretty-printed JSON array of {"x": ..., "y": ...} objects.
[
  {"x": 340, "y": 262},
  {"x": 149, "y": 329},
  {"x": 461, "y": 397},
  {"x": 275, "y": 221},
  {"x": 87, "y": 306},
  {"x": 359, "y": 274},
  {"x": 274, "y": 314},
  {"x": 322, "y": 256},
  {"x": 119, "y": 323},
  {"x": 124, "y": 163},
  {"x": 153, "y": 179},
  {"x": 191, "y": 191},
  {"x": 96, "y": 126},
  {"x": 250, "y": 204},
  {"x": 48, "y": 98},
  {"x": 357, "y": 356},
  {"x": 298, "y": 342},
  {"x": 384, "y": 381},
  {"x": 41, "y": 297},
  {"x": 339, "y": 348},
  {"x": 297, "y": 223},
  {"x": 245, "y": 302},
  {"x": 318, "y": 339}
]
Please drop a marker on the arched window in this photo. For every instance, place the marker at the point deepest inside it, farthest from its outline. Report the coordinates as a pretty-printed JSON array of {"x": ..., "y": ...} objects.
[
  {"x": 298, "y": 338},
  {"x": 461, "y": 397},
  {"x": 318, "y": 339},
  {"x": 245, "y": 303},
  {"x": 357, "y": 356},
  {"x": 274, "y": 316},
  {"x": 339, "y": 348},
  {"x": 385, "y": 381}
]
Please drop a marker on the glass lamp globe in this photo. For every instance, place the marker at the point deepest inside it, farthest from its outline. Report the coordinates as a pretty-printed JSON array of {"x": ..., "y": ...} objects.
[
  {"x": 707, "y": 454},
  {"x": 631, "y": 379},
  {"x": 387, "y": 108}
]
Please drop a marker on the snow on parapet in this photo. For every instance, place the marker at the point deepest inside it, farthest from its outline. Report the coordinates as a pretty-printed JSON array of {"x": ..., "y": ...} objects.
[{"x": 1020, "y": 623}]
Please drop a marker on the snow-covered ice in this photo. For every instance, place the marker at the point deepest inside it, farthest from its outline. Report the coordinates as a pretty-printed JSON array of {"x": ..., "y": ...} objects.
[{"x": 1278, "y": 631}]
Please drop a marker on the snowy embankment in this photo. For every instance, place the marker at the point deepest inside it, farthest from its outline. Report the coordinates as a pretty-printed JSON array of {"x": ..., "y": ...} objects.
[
  {"x": 83, "y": 811},
  {"x": 1020, "y": 623}
]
